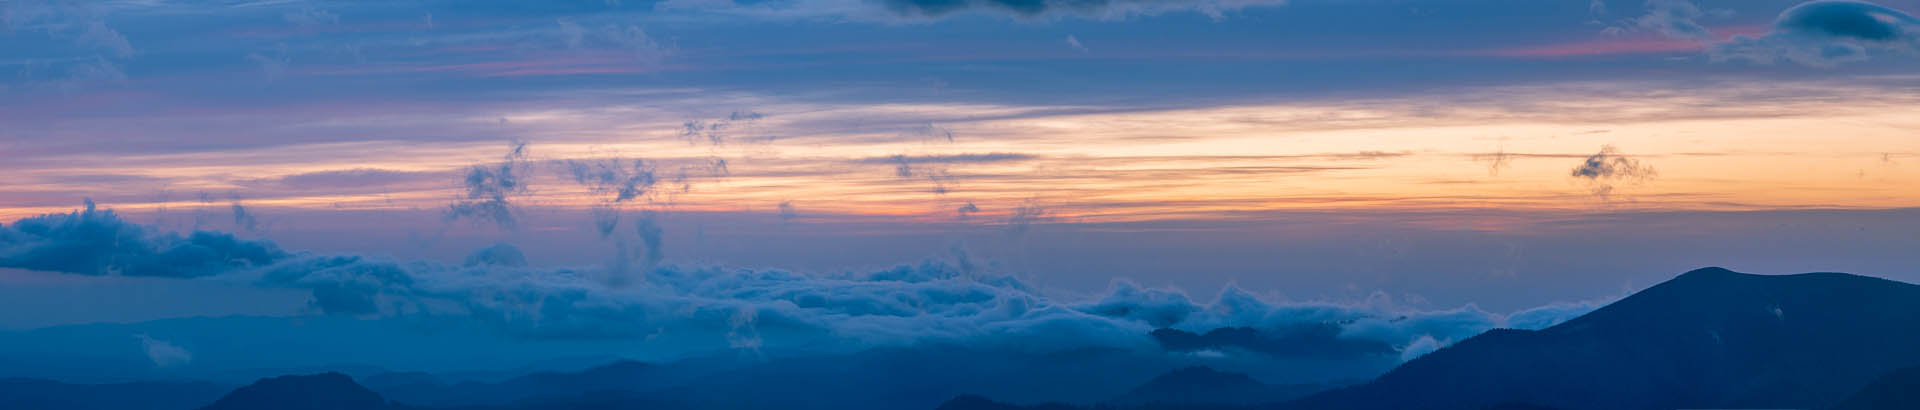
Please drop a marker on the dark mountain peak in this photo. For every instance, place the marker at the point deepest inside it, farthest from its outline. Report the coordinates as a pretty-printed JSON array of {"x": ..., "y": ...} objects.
[
  {"x": 1710, "y": 272},
  {"x": 1719, "y": 275},
  {"x": 622, "y": 367},
  {"x": 607, "y": 376},
  {"x": 324, "y": 391},
  {"x": 1710, "y": 338},
  {"x": 390, "y": 379}
]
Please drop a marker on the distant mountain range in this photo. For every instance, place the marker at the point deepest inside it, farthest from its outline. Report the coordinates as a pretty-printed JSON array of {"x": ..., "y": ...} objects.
[
  {"x": 325, "y": 391},
  {"x": 1200, "y": 385},
  {"x": 31, "y": 394},
  {"x": 1711, "y": 338}
]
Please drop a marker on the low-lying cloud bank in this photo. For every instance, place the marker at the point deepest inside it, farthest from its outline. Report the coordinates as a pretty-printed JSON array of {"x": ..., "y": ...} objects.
[{"x": 932, "y": 302}]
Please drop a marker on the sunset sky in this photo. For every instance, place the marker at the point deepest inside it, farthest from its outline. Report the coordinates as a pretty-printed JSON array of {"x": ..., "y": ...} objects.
[{"x": 1503, "y": 154}]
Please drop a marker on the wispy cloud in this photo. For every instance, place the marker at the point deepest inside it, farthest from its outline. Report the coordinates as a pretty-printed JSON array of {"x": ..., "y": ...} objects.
[{"x": 932, "y": 302}]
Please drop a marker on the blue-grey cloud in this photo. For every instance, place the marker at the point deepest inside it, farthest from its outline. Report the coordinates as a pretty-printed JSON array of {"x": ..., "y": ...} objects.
[
  {"x": 648, "y": 227},
  {"x": 787, "y": 211},
  {"x": 1826, "y": 33},
  {"x": 500, "y": 254},
  {"x": 243, "y": 219},
  {"x": 91, "y": 50},
  {"x": 1106, "y": 9},
  {"x": 1024, "y": 216},
  {"x": 97, "y": 242},
  {"x": 1674, "y": 18},
  {"x": 1602, "y": 170},
  {"x": 967, "y": 210},
  {"x": 489, "y": 189},
  {"x": 163, "y": 353},
  {"x": 718, "y": 131},
  {"x": 621, "y": 178},
  {"x": 1609, "y": 163}
]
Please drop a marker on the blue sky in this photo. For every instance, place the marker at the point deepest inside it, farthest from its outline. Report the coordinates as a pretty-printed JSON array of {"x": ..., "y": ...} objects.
[{"x": 1425, "y": 158}]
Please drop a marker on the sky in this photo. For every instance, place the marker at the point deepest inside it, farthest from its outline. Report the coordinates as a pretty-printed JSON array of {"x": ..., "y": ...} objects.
[{"x": 1490, "y": 156}]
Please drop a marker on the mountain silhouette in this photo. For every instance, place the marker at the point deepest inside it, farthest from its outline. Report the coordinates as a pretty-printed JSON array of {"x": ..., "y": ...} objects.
[
  {"x": 1711, "y": 338},
  {"x": 1204, "y": 385},
  {"x": 1897, "y": 390},
  {"x": 34, "y": 394},
  {"x": 624, "y": 375},
  {"x": 324, "y": 391},
  {"x": 972, "y": 402},
  {"x": 879, "y": 379}
]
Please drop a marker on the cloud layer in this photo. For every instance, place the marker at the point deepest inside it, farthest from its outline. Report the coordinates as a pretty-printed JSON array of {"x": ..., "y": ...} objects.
[
  {"x": 97, "y": 242},
  {"x": 931, "y": 302}
]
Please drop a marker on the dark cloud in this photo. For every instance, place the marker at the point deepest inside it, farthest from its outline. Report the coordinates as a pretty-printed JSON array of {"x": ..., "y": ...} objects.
[
  {"x": 1604, "y": 169},
  {"x": 98, "y": 242},
  {"x": 623, "y": 179},
  {"x": 967, "y": 210},
  {"x": 489, "y": 188},
  {"x": 1826, "y": 33}
]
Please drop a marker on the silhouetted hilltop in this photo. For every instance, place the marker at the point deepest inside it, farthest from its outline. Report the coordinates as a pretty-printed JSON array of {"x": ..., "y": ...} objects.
[
  {"x": 425, "y": 390},
  {"x": 325, "y": 391},
  {"x": 34, "y": 394},
  {"x": 1711, "y": 338},
  {"x": 972, "y": 402},
  {"x": 1897, "y": 390}
]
